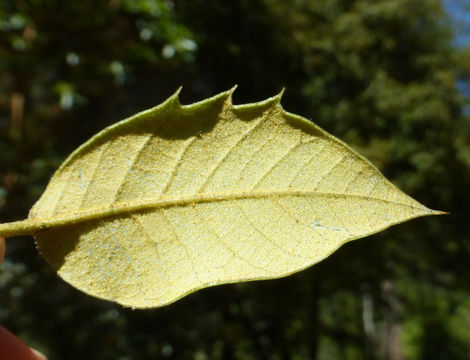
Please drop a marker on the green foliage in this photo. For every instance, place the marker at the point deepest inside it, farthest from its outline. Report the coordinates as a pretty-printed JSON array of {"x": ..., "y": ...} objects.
[{"x": 381, "y": 75}]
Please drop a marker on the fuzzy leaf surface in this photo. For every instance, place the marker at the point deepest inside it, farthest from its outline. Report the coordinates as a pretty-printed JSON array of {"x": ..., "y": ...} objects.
[{"x": 178, "y": 198}]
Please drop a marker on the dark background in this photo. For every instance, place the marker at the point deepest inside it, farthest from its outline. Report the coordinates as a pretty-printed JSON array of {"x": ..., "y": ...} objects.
[{"x": 386, "y": 76}]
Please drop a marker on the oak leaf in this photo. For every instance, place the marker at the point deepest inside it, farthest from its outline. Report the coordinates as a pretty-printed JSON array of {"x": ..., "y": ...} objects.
[{"x": 178, "y": 198}]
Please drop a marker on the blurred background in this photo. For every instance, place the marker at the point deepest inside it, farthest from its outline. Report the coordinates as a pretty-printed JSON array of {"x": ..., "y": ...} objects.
[{"x": 389, "y": 77}]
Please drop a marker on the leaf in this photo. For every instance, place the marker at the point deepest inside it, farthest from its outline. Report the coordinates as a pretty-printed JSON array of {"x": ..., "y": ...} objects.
[{"x": 178, "y": 198}]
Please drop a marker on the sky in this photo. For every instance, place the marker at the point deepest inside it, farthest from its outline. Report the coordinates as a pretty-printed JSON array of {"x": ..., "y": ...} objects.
[{"x": 459, "y": 11}]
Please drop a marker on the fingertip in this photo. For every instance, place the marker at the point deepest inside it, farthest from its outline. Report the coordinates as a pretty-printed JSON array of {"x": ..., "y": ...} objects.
[
  {"x": 14, "y": 348},
  {"x": 39, "y": 355}
]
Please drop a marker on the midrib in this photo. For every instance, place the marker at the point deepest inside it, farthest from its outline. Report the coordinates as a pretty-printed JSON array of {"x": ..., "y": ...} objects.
[{"x": 31, "y": 226}]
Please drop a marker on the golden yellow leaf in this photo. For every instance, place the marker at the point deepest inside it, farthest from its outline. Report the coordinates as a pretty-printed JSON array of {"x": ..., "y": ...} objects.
[{"x": 178, "y": 198}]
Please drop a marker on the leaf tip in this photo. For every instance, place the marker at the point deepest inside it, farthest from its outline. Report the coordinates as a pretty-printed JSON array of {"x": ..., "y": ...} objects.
[
  {"x": 229, "y": 94},
  {"x": 279, "y": 96},
  {"x": 177, "y": 92},
  {"x": 233, "y": 88},
  {"x": 430, "y": 212},
  {"x": 174, "y": 100},
  {"x": 276, "y": 99}
]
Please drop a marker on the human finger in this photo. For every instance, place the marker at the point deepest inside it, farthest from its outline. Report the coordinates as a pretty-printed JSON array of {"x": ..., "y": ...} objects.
[{"x": 15, "y": 349}]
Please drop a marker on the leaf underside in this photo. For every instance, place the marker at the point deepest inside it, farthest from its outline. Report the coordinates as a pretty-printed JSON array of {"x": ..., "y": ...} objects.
[{"x": 178, "y": 198}]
